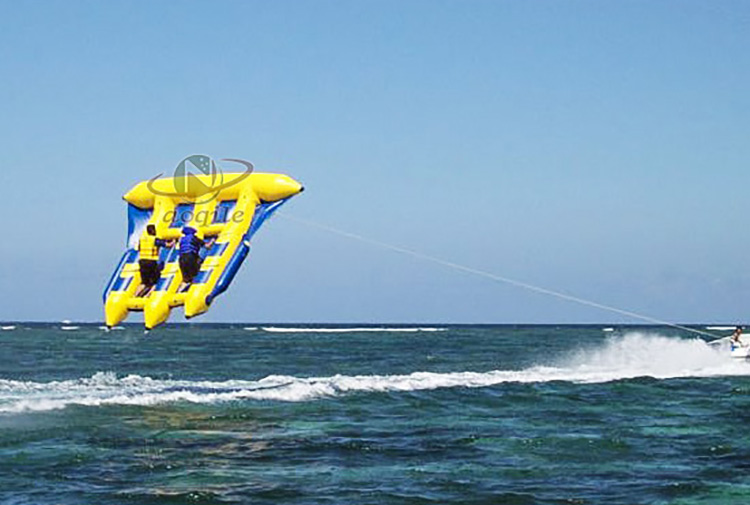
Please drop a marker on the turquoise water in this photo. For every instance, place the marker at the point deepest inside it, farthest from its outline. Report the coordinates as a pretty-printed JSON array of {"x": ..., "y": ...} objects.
[{"x": 443, "y": 415}]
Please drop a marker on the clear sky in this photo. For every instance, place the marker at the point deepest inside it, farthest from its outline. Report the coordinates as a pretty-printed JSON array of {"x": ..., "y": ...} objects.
[{"x": 597, "y": 148}]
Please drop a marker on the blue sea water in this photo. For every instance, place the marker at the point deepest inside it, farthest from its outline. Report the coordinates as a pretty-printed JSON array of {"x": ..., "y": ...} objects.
[{"x": 371, "y": 415}]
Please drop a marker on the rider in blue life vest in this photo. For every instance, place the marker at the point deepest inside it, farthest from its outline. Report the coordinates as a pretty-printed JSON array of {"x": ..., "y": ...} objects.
[{"x": 190, "y": 259}]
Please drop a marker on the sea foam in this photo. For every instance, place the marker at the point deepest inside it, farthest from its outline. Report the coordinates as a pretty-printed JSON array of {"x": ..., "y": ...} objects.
[
  {"x": 619, "y": 358},
  {"x": 282, "y": 329}
]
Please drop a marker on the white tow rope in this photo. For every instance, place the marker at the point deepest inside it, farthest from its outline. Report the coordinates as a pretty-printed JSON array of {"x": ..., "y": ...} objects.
[{"x": 492, "y": 276}]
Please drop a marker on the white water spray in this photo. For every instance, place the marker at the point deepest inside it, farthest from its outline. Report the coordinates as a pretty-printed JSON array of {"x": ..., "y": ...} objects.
[{"x": 632, "y": 355}]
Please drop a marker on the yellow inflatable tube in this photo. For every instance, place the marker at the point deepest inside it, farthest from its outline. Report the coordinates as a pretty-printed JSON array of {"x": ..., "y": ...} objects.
[{"x": 225, "y": 214}]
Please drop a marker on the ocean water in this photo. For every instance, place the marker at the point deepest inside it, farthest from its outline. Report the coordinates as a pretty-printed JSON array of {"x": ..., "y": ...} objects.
[{"x": 371, "y": 415}]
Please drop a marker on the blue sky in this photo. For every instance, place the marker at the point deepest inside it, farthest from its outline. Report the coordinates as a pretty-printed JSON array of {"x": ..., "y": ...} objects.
[{"x": 595, "y": 148}]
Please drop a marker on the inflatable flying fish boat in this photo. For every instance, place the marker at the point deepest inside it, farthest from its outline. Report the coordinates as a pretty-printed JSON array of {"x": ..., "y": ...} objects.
[{"x": 225, "y": 216}]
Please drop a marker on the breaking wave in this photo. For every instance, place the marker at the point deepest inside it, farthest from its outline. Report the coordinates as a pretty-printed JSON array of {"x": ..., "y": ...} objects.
[
  {"x": 281, "y": 329},
  {"x": 630, "y": 356}
]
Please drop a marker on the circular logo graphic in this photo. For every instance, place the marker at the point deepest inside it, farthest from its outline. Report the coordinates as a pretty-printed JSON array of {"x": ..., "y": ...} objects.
[{"x": 198, "y": 178}]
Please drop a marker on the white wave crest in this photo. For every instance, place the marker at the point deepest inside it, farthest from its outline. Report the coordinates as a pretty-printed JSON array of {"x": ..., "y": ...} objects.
[
  {"x": 281, "y": 329},
  {"x": 634, "y": 355}
]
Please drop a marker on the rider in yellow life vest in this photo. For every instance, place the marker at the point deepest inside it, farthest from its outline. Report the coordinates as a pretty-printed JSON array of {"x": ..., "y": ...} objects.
[
  {"x": 147, "y": 248},
  {"x": 148, "y": 261}
]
